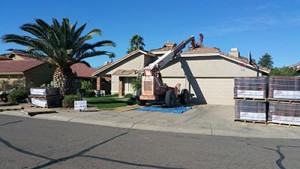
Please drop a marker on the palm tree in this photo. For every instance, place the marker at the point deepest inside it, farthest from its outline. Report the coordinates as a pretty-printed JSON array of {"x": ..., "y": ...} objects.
[
  {"x": 111, "y": 56},
  {"x": 60, "y": 44},
  {"x": 136, "y": 42}
]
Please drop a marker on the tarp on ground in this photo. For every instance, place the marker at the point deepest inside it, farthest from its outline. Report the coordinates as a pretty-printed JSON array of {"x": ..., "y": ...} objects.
[{"x": 156, "y": 108}]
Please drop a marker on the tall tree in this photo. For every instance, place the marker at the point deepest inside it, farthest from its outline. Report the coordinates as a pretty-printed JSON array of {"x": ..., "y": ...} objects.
[
  {"x": 61, "y": 44},
  {"x": 111, "y": 56},
  {"x": 136, "y": 42},
  {"x": 266, "y": 61}
]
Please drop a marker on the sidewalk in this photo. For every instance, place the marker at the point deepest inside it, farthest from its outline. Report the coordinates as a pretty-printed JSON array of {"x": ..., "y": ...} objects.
[{"x": 204, "y": 119}]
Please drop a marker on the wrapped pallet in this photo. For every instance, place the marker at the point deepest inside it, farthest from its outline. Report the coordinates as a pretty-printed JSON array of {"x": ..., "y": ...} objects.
[
  {"x": 251, "y": 87},
  {"x": 45, "y": 97},
  {"x": 246, "y": 110},
  {"x": 44, "y": 91},
  {"x": 284, "y": 87},
  {"x": 284, "y": 113}
]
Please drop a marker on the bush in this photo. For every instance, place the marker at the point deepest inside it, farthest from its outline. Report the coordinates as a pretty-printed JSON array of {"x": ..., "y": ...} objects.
[
  {"x": 68, "y": 100},
  {"x": 283, "y": 71},
  {"x": 17, "y": 96},
  {"x": 89, "y": 94},
  {"x": 87, "y": 85},
  {"x": 115, "y": 94},
  {"x": 129, "y": 95}
]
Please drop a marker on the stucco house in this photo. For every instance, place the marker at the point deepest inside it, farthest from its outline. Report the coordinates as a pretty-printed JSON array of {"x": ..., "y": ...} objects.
[
  {"x": 207, "y": 72},
  {"x": 17, "y": 68}
]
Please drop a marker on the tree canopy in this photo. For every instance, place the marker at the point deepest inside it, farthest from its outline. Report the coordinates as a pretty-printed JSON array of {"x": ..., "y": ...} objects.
[
  {"x": 62, "y": 44},
  {"x": 136, "y": 42},
  {"x": 283, "y": 71},
  {"x": 266, "y": 61}
]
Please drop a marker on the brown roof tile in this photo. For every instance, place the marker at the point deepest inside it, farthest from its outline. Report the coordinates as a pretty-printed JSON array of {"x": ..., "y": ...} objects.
[
  {"x": 18, "y": 65},
  {"x": 167, "y": 46},
  {"x": 201, "y": 50},
  {"x": 126, "y": 72},
  {"x": 207, "y": 50},
  {"x": 82, "y": 70}
]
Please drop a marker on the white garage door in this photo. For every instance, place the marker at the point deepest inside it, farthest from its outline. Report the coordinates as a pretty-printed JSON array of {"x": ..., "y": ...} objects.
[
  {"x": 207, "y": 90},
  {"x": 217, "y": 90}
]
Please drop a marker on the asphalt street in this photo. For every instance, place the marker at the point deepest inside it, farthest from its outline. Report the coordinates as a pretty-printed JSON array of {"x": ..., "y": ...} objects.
[{"x": 36, "y": 143}]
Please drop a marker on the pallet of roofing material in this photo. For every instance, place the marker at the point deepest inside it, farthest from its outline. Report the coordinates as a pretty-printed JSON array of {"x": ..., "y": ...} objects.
[
  {"x": 50, "y": 101},
  {"x": 44, "y": 91},
  {"x": 254, "y": 88},
  {"x": 284, "y": 113},
  {"x": 284, "y": 87},
  {"x": 250, "y": 111}
]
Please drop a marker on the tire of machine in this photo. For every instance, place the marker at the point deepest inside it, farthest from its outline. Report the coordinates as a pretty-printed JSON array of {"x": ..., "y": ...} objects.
[
  {"x": 170, "y": 99},
  {"x": 184, "y": 96}
]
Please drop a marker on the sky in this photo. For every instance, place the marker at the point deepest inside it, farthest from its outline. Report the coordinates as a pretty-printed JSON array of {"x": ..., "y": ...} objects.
[{"x": 259, "y": 26}]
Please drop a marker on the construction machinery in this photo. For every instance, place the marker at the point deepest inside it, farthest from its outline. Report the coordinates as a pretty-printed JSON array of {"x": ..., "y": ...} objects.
[{"x": 153, "y": 89}]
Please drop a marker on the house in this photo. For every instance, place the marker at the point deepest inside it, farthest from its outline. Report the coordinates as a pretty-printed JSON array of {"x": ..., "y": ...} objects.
[
  {"x": 208, "y": 73},
  {"x": 296, "y": 66},
  {"x": 124, "y": 70},
  {"x": 18, "y": 70},
  {"x": 83, "y": 72}
]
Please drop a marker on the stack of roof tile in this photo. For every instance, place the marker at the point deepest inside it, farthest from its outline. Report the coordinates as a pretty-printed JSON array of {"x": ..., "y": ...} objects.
[{"x": 45, "y": 97}]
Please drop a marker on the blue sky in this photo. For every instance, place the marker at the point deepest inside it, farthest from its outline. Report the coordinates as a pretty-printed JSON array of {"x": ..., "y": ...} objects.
[{"x": 259, "y": 26}]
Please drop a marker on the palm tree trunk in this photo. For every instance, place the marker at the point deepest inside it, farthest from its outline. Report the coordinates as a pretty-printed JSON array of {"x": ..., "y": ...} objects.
[{"x": 63, "y": 79}]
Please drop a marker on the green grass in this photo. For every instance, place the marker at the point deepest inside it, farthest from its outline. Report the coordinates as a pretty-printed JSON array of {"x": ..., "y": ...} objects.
[{"x": 108, "y": 102}]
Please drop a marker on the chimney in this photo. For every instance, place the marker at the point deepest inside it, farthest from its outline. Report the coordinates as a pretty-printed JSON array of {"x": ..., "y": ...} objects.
[{"x": 234, "y": 52}]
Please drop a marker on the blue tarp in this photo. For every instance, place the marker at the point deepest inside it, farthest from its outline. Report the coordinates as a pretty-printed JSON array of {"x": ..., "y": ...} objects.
[{"x": 155, "y": 108}]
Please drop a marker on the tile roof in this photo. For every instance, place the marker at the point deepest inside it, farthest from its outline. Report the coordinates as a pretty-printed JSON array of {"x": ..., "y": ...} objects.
[
  {"x": 18, "y": 66},
  {"x": 201, "y": 50},
  {"x": 295, "y": 65},
  {"x": 215, "y": 51},
  {"x": 4, "y": 58},
  {"x": 126, "y": 72},
  {"x": 82, "y": 70},
  {"x": 167, "y": 46}
]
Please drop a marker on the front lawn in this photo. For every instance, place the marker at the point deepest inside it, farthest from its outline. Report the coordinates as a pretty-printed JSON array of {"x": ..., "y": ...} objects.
[{"x": 108, "y": 102}]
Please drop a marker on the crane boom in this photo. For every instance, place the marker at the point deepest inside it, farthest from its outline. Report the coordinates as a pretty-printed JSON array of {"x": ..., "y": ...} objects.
[{"x": 167, "y": 57}]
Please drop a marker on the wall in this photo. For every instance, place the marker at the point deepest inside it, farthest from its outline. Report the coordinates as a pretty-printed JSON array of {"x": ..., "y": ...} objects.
[
  {"x": 135, "y": 62},
  {"x": 10, "y": 79},
  {"x": 40, "y": 75},
  {"x": 212, "y": 66}
]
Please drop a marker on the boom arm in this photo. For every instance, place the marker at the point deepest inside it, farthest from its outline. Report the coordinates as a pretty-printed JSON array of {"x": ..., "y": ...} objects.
[{"x": 167, "y": 57}]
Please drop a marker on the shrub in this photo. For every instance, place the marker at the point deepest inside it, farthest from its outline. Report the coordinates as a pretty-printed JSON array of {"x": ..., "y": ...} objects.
[
  {"x": 68, "y": 100},
  {"x": 87, "y": 85},
  {"x": 17, "y": 96},
  {"x": 129, "y": 95},
  {"x": 115, "y": 94},
  {"x": 89, "y": 93}
]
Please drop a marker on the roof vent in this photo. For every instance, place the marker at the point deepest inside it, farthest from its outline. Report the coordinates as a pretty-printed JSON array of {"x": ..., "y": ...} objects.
[{"x": 234, "y": 52}]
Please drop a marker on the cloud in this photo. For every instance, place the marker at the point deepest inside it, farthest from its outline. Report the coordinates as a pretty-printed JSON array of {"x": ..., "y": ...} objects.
[{"x": 266, "y": 6}]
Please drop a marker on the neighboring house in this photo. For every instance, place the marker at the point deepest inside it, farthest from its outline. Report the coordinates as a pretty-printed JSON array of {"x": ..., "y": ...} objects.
[
  {"x": 125, "y": 70},
  {"x": 17, "y": 68},
  {"x": 28, "y": 72},
  {"x": 83, "y": 72},
  {"x": 296, "y": 66},
  {"x": 208, "y": 73}
]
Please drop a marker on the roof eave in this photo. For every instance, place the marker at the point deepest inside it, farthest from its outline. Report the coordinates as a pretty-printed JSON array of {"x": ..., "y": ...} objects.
[{"x": 118, "y": 61}]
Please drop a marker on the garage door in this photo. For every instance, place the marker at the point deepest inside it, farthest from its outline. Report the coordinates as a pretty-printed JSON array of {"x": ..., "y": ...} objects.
[
  {"x": 207, "y": 90},
  {"x": 217, "y": 90}
]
